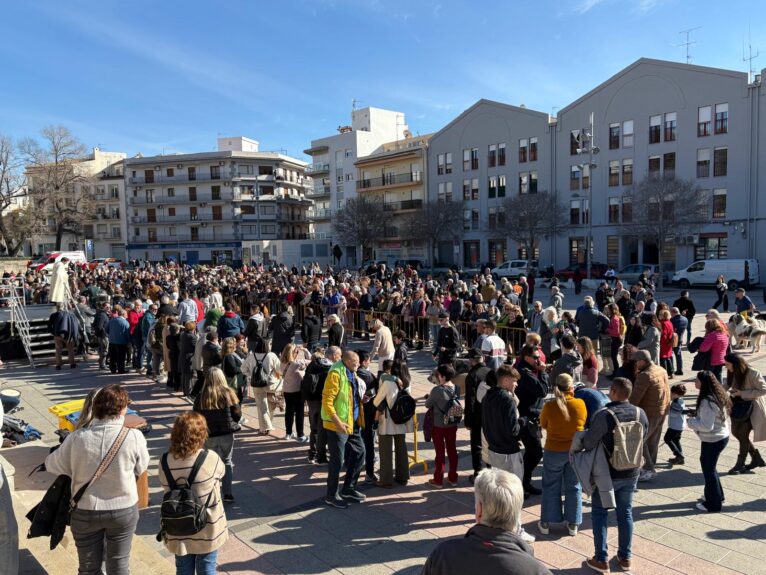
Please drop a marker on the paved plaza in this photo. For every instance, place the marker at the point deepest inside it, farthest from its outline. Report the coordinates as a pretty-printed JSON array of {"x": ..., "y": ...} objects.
[{"x": 279, "y": 525}]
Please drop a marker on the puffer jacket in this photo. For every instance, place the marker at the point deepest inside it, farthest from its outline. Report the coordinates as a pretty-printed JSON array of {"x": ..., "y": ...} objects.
[
  {"x": 222, "y": 421},
  {"x": 651, "y": 391},
  {"x": 571, "y": 363},
  {"x": 282, "y": 330},
  {"x": 211, "y": 356}
]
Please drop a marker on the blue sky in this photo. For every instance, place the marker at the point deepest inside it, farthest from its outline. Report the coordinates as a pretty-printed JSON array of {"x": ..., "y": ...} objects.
[{"x": 151, "y": 76}]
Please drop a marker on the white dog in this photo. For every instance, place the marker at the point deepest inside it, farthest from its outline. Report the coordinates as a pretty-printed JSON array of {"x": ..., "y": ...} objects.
[{"x": 747, "y": 331}]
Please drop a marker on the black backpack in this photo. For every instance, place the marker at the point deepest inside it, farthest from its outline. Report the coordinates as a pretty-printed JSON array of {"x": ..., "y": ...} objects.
[
  {"x": 259, "y": 378},
  {"x": 404, "y": 407},
  {"x": 182, "y": 513}
]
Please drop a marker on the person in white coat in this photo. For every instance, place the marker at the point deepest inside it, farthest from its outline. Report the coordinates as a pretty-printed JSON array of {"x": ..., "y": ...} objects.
[
  {"x": 271, "y": 365},
  {"x": 389, "y": 432},
  {"x": 60, "y": 281}
]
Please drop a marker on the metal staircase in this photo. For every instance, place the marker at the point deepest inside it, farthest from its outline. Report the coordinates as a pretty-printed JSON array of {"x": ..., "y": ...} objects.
[{"x": 12, "y": 293}]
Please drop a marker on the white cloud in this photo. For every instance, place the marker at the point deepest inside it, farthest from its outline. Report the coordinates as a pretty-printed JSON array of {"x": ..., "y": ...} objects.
[{"x": 586, "y": 6}]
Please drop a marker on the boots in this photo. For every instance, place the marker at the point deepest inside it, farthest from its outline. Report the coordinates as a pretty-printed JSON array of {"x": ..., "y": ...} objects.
[
  {"x": 755, "y": 460},
  {"x": 739, "y": 467}
]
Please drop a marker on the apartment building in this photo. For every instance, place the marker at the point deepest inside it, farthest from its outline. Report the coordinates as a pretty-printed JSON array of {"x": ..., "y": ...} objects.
[
  {"x": 232, "y": 205},
  {"x": 103, "y": 234},
  {"x": 487, "y": 153},
  {"x": 395, "y": 175},
  {"x": 334, "y": 172}
]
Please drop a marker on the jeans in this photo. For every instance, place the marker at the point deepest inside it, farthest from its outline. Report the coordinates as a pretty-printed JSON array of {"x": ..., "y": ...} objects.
[
  {"x": 9, "y": 529},
  {"x": 223, "y": 445},
  {"x": 673, "y": 440},
  {"x": 558, "y": 476},
  {"x": 434, "y": 330},
  {"x": 667, "y": 364},
  {"x": 138, "y": 348},
  {"x": 317, "y": 433},
  {"x": 146, "y": 358},
  {"x": 344, "y": 446},
  {"x": 399, "y": 444},
  {"x": 709, "y": 453},
  {"x": 623, "y": 493},
  {"x": 688, "y": 330},
  {"x": 722, "y": 298},
  {"x": 203, "y": 564},
  {"x": 294, "y": 412},
  {"x": 679, "y": 359},
  {"x": 444, "y": 438},
  {"x": 94, "y": 529},
  {"x": 533, "y": 452}
]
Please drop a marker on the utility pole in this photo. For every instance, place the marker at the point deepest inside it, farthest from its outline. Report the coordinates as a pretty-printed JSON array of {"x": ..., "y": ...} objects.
[{"x": 588, "y": 147}]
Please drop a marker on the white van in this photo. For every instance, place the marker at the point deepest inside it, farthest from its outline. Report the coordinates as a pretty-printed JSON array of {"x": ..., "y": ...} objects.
[
  {"x": 706, "y": 272},
  {"x": 46, "y": 262},
  {"x": 514, "y": 268}
]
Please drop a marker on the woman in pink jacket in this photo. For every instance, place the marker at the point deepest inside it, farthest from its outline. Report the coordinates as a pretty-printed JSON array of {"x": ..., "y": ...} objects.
[
  {"x": 616, "y": 331},
  {"x": 716, "y": 342}
]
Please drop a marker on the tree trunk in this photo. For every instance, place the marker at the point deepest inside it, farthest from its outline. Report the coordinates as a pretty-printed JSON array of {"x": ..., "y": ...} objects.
[{"x": 59, "y": 237}]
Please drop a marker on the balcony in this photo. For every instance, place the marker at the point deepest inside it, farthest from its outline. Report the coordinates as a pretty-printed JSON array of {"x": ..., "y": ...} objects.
[
  {"x": 224, "y": 196},
  {"x": 404, "y": 205},
  {"x": 317, "y": 168},
  {"x": 389, "y": 180},
  {"x": 318, "y": 191},
  {"x": 321, "y": 214},
  {"x": 183, "y": 219},
  {"x": 162, "y": 180},
  {"x": 187, "y": 236}
]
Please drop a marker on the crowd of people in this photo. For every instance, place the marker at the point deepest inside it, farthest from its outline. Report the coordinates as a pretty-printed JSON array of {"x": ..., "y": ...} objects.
[{"x": 510, "y": 368}]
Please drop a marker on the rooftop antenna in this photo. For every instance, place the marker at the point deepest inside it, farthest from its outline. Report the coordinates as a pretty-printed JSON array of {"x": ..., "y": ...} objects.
[
  {"x": 749, "y": 59},
  {"x": 689, "y": 42}
]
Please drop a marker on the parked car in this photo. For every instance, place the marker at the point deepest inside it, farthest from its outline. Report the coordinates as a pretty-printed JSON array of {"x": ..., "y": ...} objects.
[
  {"x": 439, "y": 269},
  {"x": 705, "y": 272},
  {"x": 105, "y": 262},
  {"x": 597, "y": 271},
  {"x": 417, "y": 265},
  {"x": 630, "y": 274},
  {"x": 514, "y": 268}
]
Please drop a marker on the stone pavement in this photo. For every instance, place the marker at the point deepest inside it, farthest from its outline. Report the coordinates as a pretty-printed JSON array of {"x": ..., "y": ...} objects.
[{"x": 278, "y": 524}]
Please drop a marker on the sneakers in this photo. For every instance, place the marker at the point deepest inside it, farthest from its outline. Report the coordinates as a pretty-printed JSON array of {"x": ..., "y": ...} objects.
[
  {"x": 452, "y": 483},
  {"x": 302, "y": 439},
  {"x": 336, "y": 502},
  {"x": 623, "y": 563},
  {"x": 700, "y": 506},
  {"x": 312, "y": 459},
  {"x": 353, "y": 495},
  {"x": 572, "y": 528},
  {"x": 433, "y": 484},
  {"x": 526, "y": 537},
  {"x": 228, "y": 498},
  {"x": 596, "y": 565},
  {"x": 290, "y": 436},
  {"x": 543, "y": 527},
  {"x": 370, "y": 478},
  {"x": 647, "y": 475}
]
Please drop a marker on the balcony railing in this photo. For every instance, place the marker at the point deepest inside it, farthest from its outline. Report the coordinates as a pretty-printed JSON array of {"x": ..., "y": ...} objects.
[
  {"x": 224, "y": 196},
  {"x": 318, "y": 168},
  {"x": 183, "y": 219},
  {"x": 320, "y": 214},
  {"x": 403, "y": 205},
  {"x": 203, "y": 236},
  {"x": 179, "y": 178},
  {"x": 389, "y": 180},
  {"x": 318, "y": 191}
]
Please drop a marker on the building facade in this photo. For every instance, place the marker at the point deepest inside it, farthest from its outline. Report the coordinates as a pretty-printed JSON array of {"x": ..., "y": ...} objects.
[
  {"x": 334, "y": 172},
  {"x": 233, "y": 205}
]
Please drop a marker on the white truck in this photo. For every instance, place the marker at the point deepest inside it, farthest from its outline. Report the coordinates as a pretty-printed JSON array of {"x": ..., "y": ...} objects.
[{"x": 705, "y": 272}]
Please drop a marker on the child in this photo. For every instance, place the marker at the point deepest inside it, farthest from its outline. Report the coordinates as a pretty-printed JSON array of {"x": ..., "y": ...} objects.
[
  {"x": 385, "y": 375},
  {"x": 676, "y": 423}
]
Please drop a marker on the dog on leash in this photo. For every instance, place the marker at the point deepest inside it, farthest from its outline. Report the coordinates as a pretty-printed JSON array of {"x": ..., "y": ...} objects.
[{"x": 747, "y": 331}]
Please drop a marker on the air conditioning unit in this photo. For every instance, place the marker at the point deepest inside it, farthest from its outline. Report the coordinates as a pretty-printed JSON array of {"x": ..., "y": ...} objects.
[
  {"x": 221, "y": 163},
  {"x": 179, "y": 166},
  {"x": 161, "y": 207},
  {"x": 203, "y": 205},
  {"x": 204, "y": 224},
  {"x": 227, "y": 183}
]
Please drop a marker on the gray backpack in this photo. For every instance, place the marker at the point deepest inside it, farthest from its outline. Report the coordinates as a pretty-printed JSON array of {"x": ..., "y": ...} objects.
[{"x": 628, "y": 442}]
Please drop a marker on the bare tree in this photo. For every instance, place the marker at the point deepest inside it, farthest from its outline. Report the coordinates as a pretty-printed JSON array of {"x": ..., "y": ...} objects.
[
  {"x": 665, "y": 209},
  {"x": 438, "y": 221},
  {"x": 531, "y": 217},
  {"x": 361, "y": 222},
  {"x": 59, "y": 186},
  {"x": 17, "y": 221}
]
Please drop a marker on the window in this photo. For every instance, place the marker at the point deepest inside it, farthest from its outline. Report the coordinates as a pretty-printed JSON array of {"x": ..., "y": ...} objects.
[
  {"x": 497, "y": 251},
  {"x": 492, "y": 218},
  {"x": 576, "y": 251},
  {"x": 192, "y": 194},
  {"x": 524, "y": 183},
  {"x": 475, "y": 189},
  {"x": 614, "y": 136},
  {"x": 191, "y": 173},
  {"x": 670, "y": 126},
  {"x": 532, "y": 182},
  {"x": 215, "y": 192},
  {"x": 474, "y": 158},
  {"x": 669, "y": 165},
  {"x": 574, "y": 178},
  {"x": 627, "y": 172},
  {"x": 171, "y": 192},
  {"x": 114, "y": 192},
  {"x": 523, "y": 147},
  {"x": 721, "y": 118},
  {"x": 466, "y": 220},
  {"x": 215, "y": 172},
  {"x": 445, "y": 192},
  {"x": 653, "y": 210},
  {"x": 492, "y": 187},
  {"x": 585, "y": 177},
  {"x": 471, "y": 253},
  {"x": 614, "y": 173},
  {"x": 703, "y": 121},
  {"x": 654, "y": 166},
  {"x": 501, "y": 154},
  {"x": 172, "y": 212},
  {"x": 719, "y": 203},
  {"x": 614, "y": 210},
  {"x": 349, "y": 153},
  {"x": 720, "y": 158},
  {"x": 627, "y": 209},
  {"x": 703, "y": 163},
  {"x": 627, "y": 134},
  {"x": 217, "y": 212},
  {"x": 448, "y": 163},
  {"x": 466, "y": 190},
  {"x": 466, "y": 160},
  {"x": 574, "y": 213},
  {"x": 711, "y": 247},
  {"x": 492, "y": 156},
  {"x": 501, "y": 186},
  {"x": 574, "y": 143},
  {"x": 170, "y": 172},
  {"x": 532, "y": 149},
  {"x": 440, "y": 164},
  {"x": 149, "y": 176},
  {"x": 655, "y": 129}
]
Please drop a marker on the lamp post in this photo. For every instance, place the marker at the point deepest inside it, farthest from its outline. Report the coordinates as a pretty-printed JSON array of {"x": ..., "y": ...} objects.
[{"x": 589, "y": 148}]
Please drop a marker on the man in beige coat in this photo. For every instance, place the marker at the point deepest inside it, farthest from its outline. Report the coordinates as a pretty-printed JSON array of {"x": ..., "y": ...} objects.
[
  {"x": 383, "y": 344},
  {"x": 651, "y": 393}
]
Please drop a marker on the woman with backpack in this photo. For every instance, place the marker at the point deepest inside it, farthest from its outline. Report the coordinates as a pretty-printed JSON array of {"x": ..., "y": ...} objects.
[
  {"x": 262, "y": 372},
  {"x": 390, "y": 433},
  {"x": 197, "y": 552},
  {"x": 442, "y": 397},
  {"x": 711, "y": 423},
  {"x": 220, "y": 407}
]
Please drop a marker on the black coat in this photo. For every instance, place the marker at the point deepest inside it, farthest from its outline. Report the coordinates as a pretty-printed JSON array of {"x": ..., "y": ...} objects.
[
  {"x": 311, "y": 330},
  {"x": 186, "y": 345},
  {"x": 282, "y": 330},
  {"x": 335, "y": 335},
  {"x": 473, "y": 378},
  {"x": 499, "y": 421},
  {"x": 531, "y": 391}
]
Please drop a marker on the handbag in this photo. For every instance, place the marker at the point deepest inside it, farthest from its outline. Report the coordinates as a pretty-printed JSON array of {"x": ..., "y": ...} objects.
[
  {"x": 51, "y": 516},
  {"x": 741, "y": 409},
  {"x": 142, "y": 487},
  {"x": 701, "y": 361}
]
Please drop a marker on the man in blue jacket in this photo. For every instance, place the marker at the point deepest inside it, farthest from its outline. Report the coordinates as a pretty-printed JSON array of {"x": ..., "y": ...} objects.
[
  {"x": 118, "y": 331},
  {"x": 229, "y": 324}
]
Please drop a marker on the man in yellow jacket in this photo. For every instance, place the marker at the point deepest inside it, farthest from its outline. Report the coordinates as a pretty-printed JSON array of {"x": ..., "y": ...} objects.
[{"x": 343, "y": 419}]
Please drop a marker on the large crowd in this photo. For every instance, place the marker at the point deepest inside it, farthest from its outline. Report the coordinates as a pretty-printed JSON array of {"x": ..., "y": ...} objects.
[{"x": 336, "y": 345}]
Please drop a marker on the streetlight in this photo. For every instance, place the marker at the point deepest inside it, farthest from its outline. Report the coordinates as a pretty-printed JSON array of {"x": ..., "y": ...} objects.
[{"x": 588, "y": 146}]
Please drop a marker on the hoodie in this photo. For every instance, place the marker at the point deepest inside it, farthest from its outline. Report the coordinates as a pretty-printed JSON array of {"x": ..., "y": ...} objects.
[{"x": 571, "y": 363}]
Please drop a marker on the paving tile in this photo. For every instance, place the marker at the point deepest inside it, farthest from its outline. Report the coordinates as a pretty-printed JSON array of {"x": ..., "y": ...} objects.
[
  {"x": 554, "y": 554},
  {"x": 692, "y": 546},
  {"x": 691, "y": 565}
]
